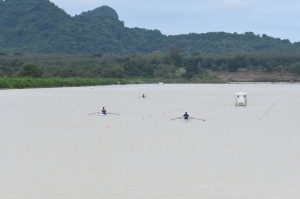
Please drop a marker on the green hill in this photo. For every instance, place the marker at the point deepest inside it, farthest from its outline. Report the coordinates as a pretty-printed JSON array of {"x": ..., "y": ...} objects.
[
  {"x": 40, "y": 27},
  {"x": 104, "y": 11}
]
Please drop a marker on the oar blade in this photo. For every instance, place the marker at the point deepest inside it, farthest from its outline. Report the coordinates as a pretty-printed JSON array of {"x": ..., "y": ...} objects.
[
  {"x": 176, "y": 118},
  {"x": 197, "y": 118},
  {"x": 93, "y": 113},
  {"x": 113, "y": 113}
]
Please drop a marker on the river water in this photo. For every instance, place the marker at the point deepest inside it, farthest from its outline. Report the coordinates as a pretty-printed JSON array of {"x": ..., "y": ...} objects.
[{"x": 50, "y": 147}]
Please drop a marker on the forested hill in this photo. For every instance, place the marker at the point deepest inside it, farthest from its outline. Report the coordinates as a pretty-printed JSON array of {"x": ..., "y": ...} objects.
[{"x": 39, "y": 27}]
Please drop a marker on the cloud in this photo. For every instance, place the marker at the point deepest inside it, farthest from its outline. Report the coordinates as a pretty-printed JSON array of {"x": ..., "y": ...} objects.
[{"x": 234, "y": 6}]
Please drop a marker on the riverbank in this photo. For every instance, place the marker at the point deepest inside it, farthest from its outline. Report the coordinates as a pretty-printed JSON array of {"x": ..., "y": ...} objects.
[
  {"x": 19, "y": 83},
  {"x": 197, "y": 79},
  {"x": 27, "y": 82},
  {"x": 209, "y": 77},
  {"x": 256, "y": 76}
]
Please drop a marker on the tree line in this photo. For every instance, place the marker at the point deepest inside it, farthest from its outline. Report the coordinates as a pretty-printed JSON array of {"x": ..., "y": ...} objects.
[{"x": 165, "y": 65}]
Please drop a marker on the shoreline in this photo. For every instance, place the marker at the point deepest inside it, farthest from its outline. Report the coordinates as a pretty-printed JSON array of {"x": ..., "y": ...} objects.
[
  {"x": 91, "y": 86},
  {"x": 234, "y": 78},
  {"x": 27, "y": 82}
]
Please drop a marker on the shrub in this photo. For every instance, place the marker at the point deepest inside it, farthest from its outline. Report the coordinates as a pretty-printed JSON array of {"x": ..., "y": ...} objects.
[{"x": 30, "y": 70}]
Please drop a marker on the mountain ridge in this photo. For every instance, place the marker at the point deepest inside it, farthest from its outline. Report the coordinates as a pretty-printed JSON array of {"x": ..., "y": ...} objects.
[
  {"x": 102, "y": 11},
  {"x": 41, "y": 27}
]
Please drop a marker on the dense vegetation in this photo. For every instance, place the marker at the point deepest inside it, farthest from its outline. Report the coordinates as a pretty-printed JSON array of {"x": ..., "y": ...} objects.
[
  {"x": 40, "y": 27},
  {"x": 170, "y": 65}
]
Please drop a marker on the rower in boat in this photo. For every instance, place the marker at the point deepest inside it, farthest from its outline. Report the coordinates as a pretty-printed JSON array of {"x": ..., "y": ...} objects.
[
  {"x": 103, "y": 111},
  {"x": 143, "y": 96},
  {"x": 186, "y": 116}
]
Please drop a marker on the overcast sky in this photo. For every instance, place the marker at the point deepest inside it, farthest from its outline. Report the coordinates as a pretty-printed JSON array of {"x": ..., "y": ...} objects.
[{"x": 276, "y": 18}]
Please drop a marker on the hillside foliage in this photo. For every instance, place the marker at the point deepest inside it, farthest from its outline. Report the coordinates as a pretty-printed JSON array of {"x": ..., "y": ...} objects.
[{"x": 41, "y": 27}]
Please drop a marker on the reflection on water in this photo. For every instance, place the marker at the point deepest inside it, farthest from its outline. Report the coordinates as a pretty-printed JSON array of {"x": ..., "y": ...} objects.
[{"x": 51, "y": 148}]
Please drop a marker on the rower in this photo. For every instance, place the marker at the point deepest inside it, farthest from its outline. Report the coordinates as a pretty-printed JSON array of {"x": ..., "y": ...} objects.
[
  {"x": 103, "y": 111},
  {"x": 143, "y": 96},
  {"x": 186, "y": 116}
]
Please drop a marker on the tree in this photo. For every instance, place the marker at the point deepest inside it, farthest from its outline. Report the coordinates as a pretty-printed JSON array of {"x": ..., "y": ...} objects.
[
  {"x": 174, "y": 52},
  {"x": 233, "y": 65},
  {"x": 192, "y": 68},
  {"x": 30, "y": 70},
  {"x": 116, "y": 72}
]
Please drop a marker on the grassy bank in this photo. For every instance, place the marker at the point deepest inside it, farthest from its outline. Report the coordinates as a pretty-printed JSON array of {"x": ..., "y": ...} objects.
[
  {"x": 11, "y": 83},
  {"x": 19, "y": 83},
  {"x": 27, "y": 82}
]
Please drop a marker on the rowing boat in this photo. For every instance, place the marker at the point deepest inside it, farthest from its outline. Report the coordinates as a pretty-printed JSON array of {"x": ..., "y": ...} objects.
[
  {"x": 241, "y": 99},
  {"x": 186, "y": 118}
]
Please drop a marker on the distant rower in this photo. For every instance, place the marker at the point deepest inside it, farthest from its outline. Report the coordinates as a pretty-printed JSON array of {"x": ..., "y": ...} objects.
[
  {"x": 103, "y": 111},
  {"x": 143, "y": 96},
  {"x": 186, "y": 116}
]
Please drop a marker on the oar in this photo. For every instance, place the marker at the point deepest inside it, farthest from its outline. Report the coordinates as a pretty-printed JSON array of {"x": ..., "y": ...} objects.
[
  {"x": 113, "y": 113},
  {"x": 93, "y": 113},
  {"x": 197, "y": 118},
  {"x": 176, "y": 118}
]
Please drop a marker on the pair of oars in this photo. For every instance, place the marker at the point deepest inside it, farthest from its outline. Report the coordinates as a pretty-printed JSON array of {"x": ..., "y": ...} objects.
[
  {"x": 189, "y": 118},
  {"x": 106, "y": 113}
]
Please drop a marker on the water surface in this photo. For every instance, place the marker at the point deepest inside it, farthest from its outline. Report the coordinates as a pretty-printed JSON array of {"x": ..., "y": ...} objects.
[{"x": 51, "y": 148}]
